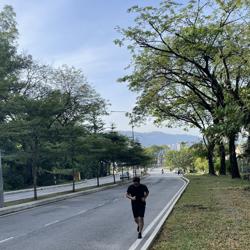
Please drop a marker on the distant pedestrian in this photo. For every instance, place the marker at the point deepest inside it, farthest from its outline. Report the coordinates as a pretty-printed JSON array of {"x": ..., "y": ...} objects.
[
  {"x": 138, "y": 193},
  {"x": 162, "y": 171}
]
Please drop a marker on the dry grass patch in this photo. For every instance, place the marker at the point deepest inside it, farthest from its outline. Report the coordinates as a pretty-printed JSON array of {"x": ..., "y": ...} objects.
[{"x": 213, "y": 213}]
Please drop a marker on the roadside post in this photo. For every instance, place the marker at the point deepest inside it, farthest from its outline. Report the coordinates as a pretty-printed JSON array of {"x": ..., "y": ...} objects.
[{"x": 1, "y": 183}]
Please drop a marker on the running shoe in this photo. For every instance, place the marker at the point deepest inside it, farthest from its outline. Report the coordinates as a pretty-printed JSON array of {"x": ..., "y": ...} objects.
[{"x": 139, "y": 236}]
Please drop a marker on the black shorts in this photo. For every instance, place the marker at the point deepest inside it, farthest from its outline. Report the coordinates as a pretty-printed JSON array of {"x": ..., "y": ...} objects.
[{"x": 138, "y": 209}]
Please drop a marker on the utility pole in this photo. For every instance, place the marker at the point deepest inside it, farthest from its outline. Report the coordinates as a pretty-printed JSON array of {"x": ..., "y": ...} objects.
[{"x": 1, "y": 183}]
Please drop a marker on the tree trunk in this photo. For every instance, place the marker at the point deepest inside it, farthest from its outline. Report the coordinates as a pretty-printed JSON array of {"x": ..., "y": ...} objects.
[
  {"x": 97, "y": 175},
  {"x": 113, "y": 171},
  {"x": 72, "y": 165},
  {"x": 247, "y": 148},
  {"x": 122, "y": 174},
  {"x": 34, "y": 166},
  {"x": 210, "y": 157},
  {"x": 222, "y": 159},
  {"x": 74, "y": 178},
  {"x": 34, "y": 174},
  {"x": 232, "y": 157}
]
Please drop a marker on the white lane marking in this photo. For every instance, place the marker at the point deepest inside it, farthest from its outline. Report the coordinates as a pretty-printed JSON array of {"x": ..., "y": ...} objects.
[
  {"x": 51, "y": 223},
  {"x": 10, "y": 238},
  {"x": 150, "y": 226},
  {"x": 101, "y": 204},
  {"x": 81, "y": 212},
  {"x": 161, "y": 222}
]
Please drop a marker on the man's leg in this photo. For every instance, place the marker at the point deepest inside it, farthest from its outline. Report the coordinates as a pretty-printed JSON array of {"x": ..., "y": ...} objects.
[
  {"x": 136, "y": 215},
  {"x": 141, "y": 220},
  {"x": 137, "y": 220},
  {"x": 140, "y": 223},
  {"x": 140, "y": 226}
]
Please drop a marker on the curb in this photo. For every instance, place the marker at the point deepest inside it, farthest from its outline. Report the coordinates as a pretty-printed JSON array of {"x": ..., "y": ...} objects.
[
  {"x": 158, "y": 228},
  {"x": 32, "y": 204}
]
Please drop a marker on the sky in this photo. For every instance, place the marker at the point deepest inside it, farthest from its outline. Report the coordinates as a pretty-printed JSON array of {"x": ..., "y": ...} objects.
[{"x": 81, "y": 33}]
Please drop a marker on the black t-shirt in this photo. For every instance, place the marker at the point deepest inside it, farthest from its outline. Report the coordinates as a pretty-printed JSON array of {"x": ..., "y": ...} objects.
[{"x": 138, "y": 192}]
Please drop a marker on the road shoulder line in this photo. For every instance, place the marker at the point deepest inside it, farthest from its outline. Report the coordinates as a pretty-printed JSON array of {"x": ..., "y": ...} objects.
[
  {"x": 10, "y": 238},
  {"x": 165, "y": 213}
]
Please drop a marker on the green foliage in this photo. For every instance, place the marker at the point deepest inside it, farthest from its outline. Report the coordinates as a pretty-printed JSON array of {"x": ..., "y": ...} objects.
[
  {"x": 188, "y": 159},
  {"x": 199, "y": 150},
  {"x": 137, "y": 156},
  {"x": 45, "y": 113},
  {"x": 181, "y": 159},
  {"x": 201, "y": 165},
  {"x": 155, "y": 151},
  {"x": 13, "y": 177},
  {"x": 190, "y": 65}
]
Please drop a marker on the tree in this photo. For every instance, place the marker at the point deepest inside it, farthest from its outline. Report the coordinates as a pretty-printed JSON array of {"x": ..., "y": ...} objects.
[
  {"x": 170, "y": 108},
  {"x": 97, "y": 110},
  {"x": 137, "y": 156},
  {"x": 80, "y": 99},
  {"x": 189, "y": 49},
  {"x": 200, "y": 164},
  {"x": 182, "y": 159},
  {"x": 30, "y": 128},
  {"x": 45, "y": 112},
  {"x": 49, "y": 115},
  {"x": 95, "y": 153},
  {"x": 116, "y": 149},
  {"x": 82, "y": 105},
  {"x": 199, "y": 157},
  {"x": 11, "y": 63},
  {"x": 155, "y": 152}
]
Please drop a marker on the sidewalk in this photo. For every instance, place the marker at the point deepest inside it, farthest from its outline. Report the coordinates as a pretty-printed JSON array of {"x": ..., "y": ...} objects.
[
  {"x": 26, "y": 194},
  {"x": 58, "y": 197},
  {"x": 52, "y": 186}
]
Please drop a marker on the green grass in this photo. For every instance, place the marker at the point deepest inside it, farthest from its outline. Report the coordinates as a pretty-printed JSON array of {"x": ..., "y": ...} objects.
[{"x": 213, "y": 213}]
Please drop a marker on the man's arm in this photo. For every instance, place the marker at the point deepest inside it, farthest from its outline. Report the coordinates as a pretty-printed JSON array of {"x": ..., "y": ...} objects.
[
  {"x": 146, "y": 193},
  {"x": 129, "y": 196}
]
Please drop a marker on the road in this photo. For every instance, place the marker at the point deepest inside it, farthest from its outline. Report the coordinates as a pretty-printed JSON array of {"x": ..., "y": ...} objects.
[
  {"x": 29, "y": 193},
  {"x": 98, "y": 221}
]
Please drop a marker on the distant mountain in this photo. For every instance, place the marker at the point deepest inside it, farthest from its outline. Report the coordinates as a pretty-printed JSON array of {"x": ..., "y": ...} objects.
[{"x": 160, "y": 138}]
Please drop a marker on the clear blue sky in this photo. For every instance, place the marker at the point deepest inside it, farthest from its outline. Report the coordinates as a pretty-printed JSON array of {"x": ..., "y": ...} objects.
[{"x": 81, "y": 33}]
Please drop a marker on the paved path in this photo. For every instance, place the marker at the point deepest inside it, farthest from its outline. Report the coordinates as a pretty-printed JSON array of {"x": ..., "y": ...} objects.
[
  {"x": 28, "y": 193},
  {"x": 98, "y": 221}
]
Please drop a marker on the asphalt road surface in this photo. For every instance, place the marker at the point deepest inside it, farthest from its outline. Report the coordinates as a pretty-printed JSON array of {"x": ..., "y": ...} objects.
[
  {"x": 29, "y": 193},
  {"x": 98, "y": 221}
]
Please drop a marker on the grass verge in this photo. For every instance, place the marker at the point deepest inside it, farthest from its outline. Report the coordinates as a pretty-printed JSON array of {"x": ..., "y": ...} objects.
[{"x": 213, "y": 213}]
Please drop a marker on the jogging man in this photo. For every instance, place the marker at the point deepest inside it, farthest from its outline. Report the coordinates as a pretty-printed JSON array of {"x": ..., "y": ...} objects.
[{"x": 138, "y": 193}]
